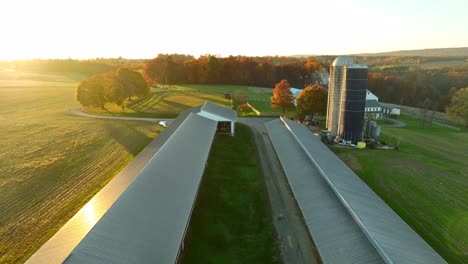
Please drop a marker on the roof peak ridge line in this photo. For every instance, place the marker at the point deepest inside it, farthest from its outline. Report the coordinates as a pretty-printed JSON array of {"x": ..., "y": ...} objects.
[
  {"x": 163, "y": 146},
  {"x": 348, "y": 207},
  {"x": 203, "y": 106},
  {"x": 218, "y": 110}
]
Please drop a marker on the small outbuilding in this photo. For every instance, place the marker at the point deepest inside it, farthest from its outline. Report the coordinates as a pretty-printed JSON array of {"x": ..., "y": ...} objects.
[{"x": 225, "y": 117}]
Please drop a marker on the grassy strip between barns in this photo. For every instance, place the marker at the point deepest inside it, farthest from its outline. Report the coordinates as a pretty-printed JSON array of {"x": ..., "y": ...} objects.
[
  {"x": 231, "y": 222},
  {"x": 425, "y": 182}
]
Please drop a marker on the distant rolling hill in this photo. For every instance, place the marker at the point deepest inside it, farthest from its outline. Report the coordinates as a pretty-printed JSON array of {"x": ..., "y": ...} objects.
[{"x": 445, "y": 52}]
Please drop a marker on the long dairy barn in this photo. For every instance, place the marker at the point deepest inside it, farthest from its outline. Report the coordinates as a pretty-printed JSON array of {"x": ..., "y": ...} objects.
[
  {"x": 148, "y": 221},
  {"x": 144, "y": 218}
]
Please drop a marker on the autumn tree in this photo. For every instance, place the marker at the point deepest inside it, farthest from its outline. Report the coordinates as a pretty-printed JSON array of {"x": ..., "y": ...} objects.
[
  {"x": 214, "y": 69},
  {"x": 111, "y": 87},
  {"x": 458, "y": 107},
  {"x": 132, "y": 82},
  {"x": 114, "y": 90},
  {"x": 282, "y": 96},
  {"x": 157, "y": 70},
  {"x": 312, "y": 100},
  {"x": 91, "y": 92},
  {"x": 312, "y": 68},
  {"x": 100, "y": 89}
]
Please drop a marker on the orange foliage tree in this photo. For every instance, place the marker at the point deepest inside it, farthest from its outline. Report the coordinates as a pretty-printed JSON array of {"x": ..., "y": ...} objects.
[
  {"x": 312, "y": 100},
  {"x": 282, "y": 96},
  {"x": 111, "y": 87}
]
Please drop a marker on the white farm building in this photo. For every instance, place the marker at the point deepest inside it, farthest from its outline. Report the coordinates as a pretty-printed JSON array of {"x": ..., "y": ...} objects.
[{"x": 375, "y": 110}]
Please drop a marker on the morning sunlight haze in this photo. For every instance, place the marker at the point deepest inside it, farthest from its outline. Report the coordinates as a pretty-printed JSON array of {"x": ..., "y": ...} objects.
[{"x": 142, "y": 28}]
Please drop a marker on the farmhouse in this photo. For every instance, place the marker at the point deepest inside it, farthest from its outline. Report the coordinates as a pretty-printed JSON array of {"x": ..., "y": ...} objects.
[
  {"x": 374, "y": 110},
  {"x": 370, "y": 96}
]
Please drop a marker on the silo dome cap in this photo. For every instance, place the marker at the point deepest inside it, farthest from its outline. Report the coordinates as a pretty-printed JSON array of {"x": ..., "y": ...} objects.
[{"x": 342, "y": 60}]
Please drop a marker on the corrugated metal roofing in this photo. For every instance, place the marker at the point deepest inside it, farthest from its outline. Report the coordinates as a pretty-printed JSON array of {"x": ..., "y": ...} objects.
[
  {"x": 219, "y": 111},
  {"x": 392, "y": 237},
  {"x": 372, "y": 103},
  {"x": 67, "y": 238},
  {"x": 59, "y": 246},
  {"x": 148, "y": 221},
  {"x": 335, "y": 233}
]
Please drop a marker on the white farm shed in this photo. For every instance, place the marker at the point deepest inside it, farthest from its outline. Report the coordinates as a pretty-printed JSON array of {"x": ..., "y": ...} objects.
[{"x": 225, "y": 117}]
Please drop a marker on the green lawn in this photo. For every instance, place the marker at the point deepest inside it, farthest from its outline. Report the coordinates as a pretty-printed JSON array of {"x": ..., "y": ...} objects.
[
  {"x": 254, "y": 93},
  {"x": 231, "y": 222},
  {"x": 168, "y": 101},
  {"x": 51, "y": 162},
  {"x": 165, "y": 102},
  {"x": 425, "y": 182}
]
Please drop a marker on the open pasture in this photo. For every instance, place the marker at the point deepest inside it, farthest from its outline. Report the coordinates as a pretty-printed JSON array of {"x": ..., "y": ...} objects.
[
  {"x": 51, "y": 162},
  {"x": 425, "y": 182}
]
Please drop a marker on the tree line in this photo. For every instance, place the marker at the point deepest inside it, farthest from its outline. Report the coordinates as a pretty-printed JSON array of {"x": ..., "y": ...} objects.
[
  {"x": 111, "y": 87},
  {"x": 413, "y": 86},
  {"x": 241, "y": 70},
  {"x": 399, "y": 84},
  {"x": 86, "y": 67}
]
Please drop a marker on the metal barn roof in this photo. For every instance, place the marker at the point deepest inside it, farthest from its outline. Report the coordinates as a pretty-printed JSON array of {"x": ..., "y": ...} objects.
[
  {"x": 147, "y": 223},
  {"x": 147, "y": 174},
  {"x": 220, "y": 111},
  {"x": 338, "y": 238},
  {"x": 372, "y": 103},
  {"x": 61, "y": 244},
  {"x": 395, "y": 241}
]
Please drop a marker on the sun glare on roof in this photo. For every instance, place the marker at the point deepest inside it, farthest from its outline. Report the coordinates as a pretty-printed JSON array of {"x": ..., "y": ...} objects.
[{"x": 89, "y": 211}]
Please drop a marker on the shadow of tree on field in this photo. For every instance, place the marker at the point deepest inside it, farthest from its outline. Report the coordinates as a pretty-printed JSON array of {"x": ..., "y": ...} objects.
[
  {"x": 175, "y": 104},
  {"x": 140, "y": 101},
  {"x": 125, "y": 135},
  {"x": 150, "y": 103},
  {"x": 219, "y": 100},
  {"x": 146, "y": 104}
]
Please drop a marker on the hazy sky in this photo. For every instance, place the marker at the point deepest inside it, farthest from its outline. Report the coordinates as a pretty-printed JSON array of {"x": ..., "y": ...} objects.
[{"x": 144, "y": 28}]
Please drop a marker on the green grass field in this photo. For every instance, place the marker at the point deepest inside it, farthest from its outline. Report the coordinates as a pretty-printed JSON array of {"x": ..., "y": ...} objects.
[
  {"x": 51, "y": 162},
  {"x": 168, "y": 101},
  {"x": 165, "y": 102},
  {"x": 259, "y": 97},
  {"x": 231, "y": 222},
  {"x": 425, "y": 182}
]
